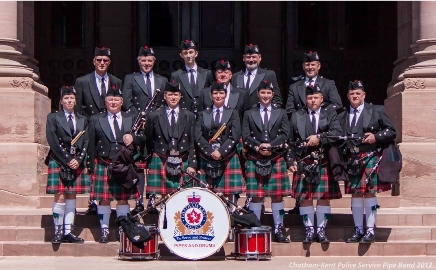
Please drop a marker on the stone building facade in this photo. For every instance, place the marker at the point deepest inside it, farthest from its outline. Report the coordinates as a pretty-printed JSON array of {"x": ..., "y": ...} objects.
[{"x": 390, "y": 46}]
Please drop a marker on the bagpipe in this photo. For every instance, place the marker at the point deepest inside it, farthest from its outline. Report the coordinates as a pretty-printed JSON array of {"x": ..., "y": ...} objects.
[
  {"x": 263, "y": 165},
  {"x": 309, "y": 171},
  {"x": 140, "y": 120}
]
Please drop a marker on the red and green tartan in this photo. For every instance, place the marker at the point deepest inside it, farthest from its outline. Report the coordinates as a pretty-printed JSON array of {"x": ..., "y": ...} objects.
[
  {"x": 104, "y": 189},
  {"x": 55, "y": 185},
  {"x": 157, "y": 180},
  {"x": 141, "y": 165},
  {"x": 327, "y": 189},
  {"x": 274, "y": 185},
  {"x": 231, "y": 182},
  {"x": 357, "y": 184}
]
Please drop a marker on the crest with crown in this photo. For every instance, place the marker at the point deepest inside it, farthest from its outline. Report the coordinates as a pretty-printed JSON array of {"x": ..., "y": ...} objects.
[{"x": 194, "y": 199}]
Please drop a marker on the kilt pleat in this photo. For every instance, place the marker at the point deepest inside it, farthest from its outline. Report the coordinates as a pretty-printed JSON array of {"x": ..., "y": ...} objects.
[
  {"x": 274, "y": 185},
  {"x": 357, "y": 184},
  {"x": 231, "y": 182},
  {"x": 106, "y": 190},
  {"x": 56, "y": 186},
  {"x": 157, "y": 180},
  {"x": 327, "y": 189}
]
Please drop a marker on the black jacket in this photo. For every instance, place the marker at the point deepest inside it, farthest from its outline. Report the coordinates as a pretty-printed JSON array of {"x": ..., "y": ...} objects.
[
  {"x": 158, "y": 137},
  {"x": 135, "y": 92},
  {"x": 59, "y": 137},
  {"x": 87, "y": 95},
  {"x": 228, "y": 139},
  {"x": 262, "y": 74}
]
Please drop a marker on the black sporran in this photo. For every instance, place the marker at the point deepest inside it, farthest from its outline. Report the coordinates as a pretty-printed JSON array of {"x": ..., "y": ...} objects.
[
  {"x": 214, "y": 168},
  {"x": 263, "y": 167},
  {"x": 173, "y": 165},
  {"x": 67, "y": 175}
]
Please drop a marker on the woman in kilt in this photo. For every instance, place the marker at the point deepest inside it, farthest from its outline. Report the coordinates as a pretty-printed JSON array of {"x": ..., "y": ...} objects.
[
  {"x": 217, "y": 132},
  {"x": 107, "y": 132},
  {"x": 263, "y": 127},
  {"x": 313, "y": 179},
  {"x": 66, "y": 169},
  {"x": 371, "y": 123},
  {"x": 170, "y": 139}
]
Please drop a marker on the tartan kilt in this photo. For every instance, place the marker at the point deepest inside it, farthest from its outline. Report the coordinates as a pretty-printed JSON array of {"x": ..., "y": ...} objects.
[
  {"x": 103, "y": 189},
  {"x": 231, "y": 182},
  {"x": 276, "y": 184},
  {"x": 157, "y": 180},
  {"x": 242, "y": 159},
  {"x": 327, "y": 189},
  {"x": 55, "y": 185},
  {"x": 140, "y": 165},
  {"x": 357, "y": 184}
]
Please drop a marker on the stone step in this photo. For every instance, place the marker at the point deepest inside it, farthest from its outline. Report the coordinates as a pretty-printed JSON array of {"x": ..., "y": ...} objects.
[
  {"x": 397, "y": 248},
  {"x": 296, "y": 234},
  {"x": 46, "y": 201},
  {"x": 403, "y": 216}
]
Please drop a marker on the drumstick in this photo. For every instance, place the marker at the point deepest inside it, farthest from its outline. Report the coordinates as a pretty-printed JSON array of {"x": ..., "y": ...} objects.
[
  {"x": 77, "y": 137},
  {"x": 218, "y": 133}
]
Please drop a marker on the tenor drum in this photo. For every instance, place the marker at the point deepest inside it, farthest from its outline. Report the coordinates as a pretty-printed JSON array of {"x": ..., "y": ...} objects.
[
  {"x": 254, "y": 243},
  {"x": 198, "y": 223},
  {"x": 129, "y": 251}
]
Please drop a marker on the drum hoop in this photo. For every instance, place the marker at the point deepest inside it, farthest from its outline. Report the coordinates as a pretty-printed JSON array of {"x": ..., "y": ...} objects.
[
  {"x": 228, "y": 222},
  {"x": 263, "y": 229}
]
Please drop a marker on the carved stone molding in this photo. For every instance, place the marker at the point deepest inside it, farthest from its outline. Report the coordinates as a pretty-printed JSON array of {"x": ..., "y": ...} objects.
[
  {"x": 414, "y": 83},
  {"x": 25, "y": 83}
]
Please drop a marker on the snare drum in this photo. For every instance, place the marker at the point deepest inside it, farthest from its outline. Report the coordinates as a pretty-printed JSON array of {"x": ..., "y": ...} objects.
[
  {"x": 129, "y": 251},
  {"x": 254, "y": 243},
  {"x": 198, "y": 223}
]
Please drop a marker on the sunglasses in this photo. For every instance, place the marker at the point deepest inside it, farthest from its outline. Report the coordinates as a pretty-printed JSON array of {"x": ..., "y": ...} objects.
[{"x": 101, "y": 59}]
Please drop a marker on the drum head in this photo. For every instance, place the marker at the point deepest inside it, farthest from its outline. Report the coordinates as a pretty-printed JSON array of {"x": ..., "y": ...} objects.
[{"x": 198, "y": 223}]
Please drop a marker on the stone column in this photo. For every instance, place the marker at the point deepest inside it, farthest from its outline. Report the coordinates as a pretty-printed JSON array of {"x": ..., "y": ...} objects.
[
  {"x": 411, "y": 101},
  {"x": 23, "y": 109}
]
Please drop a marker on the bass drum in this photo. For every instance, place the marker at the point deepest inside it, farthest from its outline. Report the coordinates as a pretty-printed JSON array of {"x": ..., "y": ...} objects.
[{"x": 198, "y": 223}]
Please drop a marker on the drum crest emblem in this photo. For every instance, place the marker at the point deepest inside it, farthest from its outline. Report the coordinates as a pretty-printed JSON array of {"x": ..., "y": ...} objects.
[{"x": 193, "y": 222}]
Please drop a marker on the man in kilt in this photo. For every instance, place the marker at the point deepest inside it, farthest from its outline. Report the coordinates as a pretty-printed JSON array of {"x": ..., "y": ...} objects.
[
  {"x": 371, "y": 123},
  {"x": 263, "y": 127},
  {"x": 66, "y": 176},
  {"x": 91, "y": 91},
  {"x": 170, "y": 138},
  {"x": 138, "y": 90},
  {"x": 219, "y": 163},
  {"x": 107, "y": 132},
  {"x": 313, "y": 179}
]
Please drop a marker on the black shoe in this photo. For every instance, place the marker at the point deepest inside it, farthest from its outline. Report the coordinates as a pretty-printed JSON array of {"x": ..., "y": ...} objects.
[
  {"x": 104, "y": 236},
  {"x": 321, "y": 238},
  {"x": 368, "y": 238},
  {"x": 58, "y": 236},
  {"x": 138, "y": 208},
  {"x": 309, "y": 235},
  {"x": 357, "y": 235},
  {"x": 92, "y": 209},
  {"x": 295, "y": 210},
  {"x": 279, "y": 237},
  {"x": 71, "y": 238}
]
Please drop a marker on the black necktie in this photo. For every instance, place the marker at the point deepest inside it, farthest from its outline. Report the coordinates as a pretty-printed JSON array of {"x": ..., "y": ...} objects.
[
  {"x": 353, "y": 122},
  {"x": 247, "y": 85},
  {"x": 217, "y": 119},
  {"x": 314, "y": 121},
  {"x": 71, "y": 124},
  {"x": 311, "y": 82},
  {"x": 118, "y": 133},
  {"x": 148, "y": 84},
  {"x": 102, "y": 89},
  {"x": 265, "y": 119},
  {"x": 173, "y": 121}
]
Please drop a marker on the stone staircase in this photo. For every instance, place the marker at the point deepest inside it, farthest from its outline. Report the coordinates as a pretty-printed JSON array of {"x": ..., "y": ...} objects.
[{"x": 401, "y": 231}]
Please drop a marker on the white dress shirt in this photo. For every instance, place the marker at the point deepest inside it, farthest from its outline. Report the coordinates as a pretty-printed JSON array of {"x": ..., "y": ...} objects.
[
  {"x": 307, "y": 80},
  {"x": 252, "y": 76},
  {"x": 189, "y": 72},
  {"x": 317, "y": 113},
  {"x": 359, "y": 112},
  {"x": 262, "y": 113},
  {"x": 73, "y": 118},
  {"x": 176, "y": 115},
  {"x": 215, "y": 109}
]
